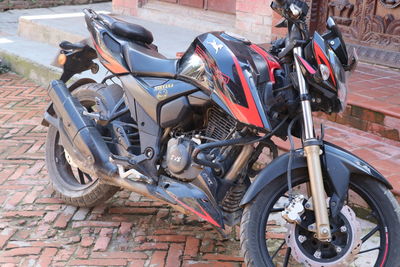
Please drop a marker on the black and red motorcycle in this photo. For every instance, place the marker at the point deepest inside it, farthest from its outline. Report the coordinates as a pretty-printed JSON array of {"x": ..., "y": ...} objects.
[{"x": 189, "y": 132}]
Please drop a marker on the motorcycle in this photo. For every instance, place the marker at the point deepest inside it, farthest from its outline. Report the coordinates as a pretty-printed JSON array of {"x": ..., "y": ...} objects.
[{"x": 189, "y": 132}]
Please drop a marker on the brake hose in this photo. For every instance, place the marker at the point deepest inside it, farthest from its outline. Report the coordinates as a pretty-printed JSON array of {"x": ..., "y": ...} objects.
[{"x": 291, "y": 153}]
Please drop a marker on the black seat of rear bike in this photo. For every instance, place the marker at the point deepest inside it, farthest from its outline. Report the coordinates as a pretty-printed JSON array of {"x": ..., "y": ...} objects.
[
  {"x": 127, "y": 30},
  {"x": 147, "y": 60}
]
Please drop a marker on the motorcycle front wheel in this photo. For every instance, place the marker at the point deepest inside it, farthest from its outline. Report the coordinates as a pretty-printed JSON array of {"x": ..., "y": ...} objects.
[{"x": 264, "y": 234}]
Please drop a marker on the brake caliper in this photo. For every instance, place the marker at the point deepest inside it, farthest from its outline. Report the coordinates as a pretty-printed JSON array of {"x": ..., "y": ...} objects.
[{"x": 294, "y": 210}]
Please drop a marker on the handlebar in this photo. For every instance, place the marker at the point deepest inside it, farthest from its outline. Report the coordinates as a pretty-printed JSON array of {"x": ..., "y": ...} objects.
[
  {"x": 290, "y": 9},
  {"x": 90, "y": 13}
]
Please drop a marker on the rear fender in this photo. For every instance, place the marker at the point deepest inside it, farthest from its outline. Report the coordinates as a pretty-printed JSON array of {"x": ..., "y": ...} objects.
[
  {"x": 71, "y": 88},
  {"x": 77, "y": 60},
  {"x": 337, "y": 165}
]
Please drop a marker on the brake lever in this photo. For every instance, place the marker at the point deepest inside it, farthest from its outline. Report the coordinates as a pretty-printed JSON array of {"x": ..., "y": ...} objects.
[
  {"x": 290, "y": 47},
  {"x": 283, "y": 23}
]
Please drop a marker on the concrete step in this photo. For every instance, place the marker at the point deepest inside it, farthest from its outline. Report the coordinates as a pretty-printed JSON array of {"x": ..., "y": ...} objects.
[
  {"x": 169, "y": 39},
  {"x": 34, "y": 60},
  {"x": 29, "y": 38},
  {"x": 201, "y": 20},
  {"x": 52, "y": 29},
  {"x": 194, "y": 18}
]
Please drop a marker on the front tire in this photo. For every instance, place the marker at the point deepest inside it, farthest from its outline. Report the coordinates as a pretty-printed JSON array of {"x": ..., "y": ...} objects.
[
  {"x": 254, "y": 244},
  {"x": 72, "y": 185}
]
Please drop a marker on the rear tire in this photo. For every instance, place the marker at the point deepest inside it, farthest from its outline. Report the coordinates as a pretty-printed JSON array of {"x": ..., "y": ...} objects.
[
  {"x": 60, "y": 171},
  {"x": 252, "y": 237}
]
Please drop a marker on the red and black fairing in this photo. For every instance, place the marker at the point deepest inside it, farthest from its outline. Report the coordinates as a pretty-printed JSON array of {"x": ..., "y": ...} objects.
[
  {"x": 318, "y": 52},
  {"x": 321, "y": 53},
  {"x": 191, "y": 198},
  {"x": 108, "y": 47},
  {"x": 235, "y": 71}
]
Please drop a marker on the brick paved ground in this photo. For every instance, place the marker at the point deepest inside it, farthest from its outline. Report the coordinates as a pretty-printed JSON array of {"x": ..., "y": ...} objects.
[
  {"x": 373, "y": 102},
  {"x": 376, "y": 88},
  {"x": 38, "y": 230}
]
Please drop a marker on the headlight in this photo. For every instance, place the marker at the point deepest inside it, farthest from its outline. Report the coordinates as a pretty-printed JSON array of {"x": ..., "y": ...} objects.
[
  {"x": 342, "y": 94},
  {"x": 324, "y": 71},
  {"x": 341, "y": 80}
]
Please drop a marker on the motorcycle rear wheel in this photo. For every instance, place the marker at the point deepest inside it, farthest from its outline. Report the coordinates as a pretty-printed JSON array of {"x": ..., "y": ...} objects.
[
  {"x": 258, "y": 244},
  {"x": 71, "y": 184}
]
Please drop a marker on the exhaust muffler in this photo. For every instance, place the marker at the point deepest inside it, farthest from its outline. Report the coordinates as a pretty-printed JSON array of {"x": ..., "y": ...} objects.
[{"x": 78, "y": 133}]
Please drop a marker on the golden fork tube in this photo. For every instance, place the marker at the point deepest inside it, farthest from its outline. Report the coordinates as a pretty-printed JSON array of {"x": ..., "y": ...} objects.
[{"x": 312, "y": 153}]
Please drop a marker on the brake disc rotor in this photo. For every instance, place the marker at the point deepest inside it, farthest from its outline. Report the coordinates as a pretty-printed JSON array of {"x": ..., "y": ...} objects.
[{"x": 340, "y": 252}]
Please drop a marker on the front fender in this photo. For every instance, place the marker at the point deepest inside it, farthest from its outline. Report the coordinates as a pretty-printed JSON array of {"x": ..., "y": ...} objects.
[{"x": 336, "y": 162}]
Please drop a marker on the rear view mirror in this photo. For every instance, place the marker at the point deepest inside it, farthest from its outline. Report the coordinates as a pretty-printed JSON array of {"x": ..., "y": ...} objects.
[
  {"x": 330, "y": 23},
  {"x": 332, "y": 26}
]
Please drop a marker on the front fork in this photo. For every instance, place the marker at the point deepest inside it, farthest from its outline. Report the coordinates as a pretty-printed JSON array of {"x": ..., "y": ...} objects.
[{"x": 312, "y": 152}]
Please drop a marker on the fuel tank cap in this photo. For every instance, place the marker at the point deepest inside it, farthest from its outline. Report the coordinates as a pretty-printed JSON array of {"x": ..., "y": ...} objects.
[{"x": 238, "y": 37}]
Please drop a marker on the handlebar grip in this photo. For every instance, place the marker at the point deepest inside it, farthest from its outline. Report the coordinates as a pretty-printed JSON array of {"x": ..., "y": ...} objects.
[{"x": 89, "y": 13}]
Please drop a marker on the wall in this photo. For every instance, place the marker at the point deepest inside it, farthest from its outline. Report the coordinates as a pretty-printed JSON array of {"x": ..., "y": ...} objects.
[
  {"x": 23, "y": 4},
  {"x": 254, "y": 19},
  {"x": 125, "y": 7}
]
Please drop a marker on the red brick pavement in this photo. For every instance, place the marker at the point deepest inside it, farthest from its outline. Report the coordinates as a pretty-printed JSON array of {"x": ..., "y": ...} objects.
[
  {"x": 376, "y": 88},
  {"x": 374, "y": 102},
  {"x": 39, "y": 230}
]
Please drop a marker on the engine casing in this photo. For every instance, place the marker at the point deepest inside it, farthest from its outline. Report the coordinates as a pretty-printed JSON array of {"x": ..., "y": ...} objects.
[{"x": 178, "y": 159}]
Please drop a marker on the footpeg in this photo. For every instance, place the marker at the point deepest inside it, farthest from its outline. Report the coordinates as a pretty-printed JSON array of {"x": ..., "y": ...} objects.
[
  {"x": 133, "y": 175},
  {"x": 131, "y": 164}
]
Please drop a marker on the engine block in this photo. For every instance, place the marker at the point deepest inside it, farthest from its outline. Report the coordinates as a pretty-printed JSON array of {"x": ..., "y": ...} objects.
[{"x": 179, "y": 159}]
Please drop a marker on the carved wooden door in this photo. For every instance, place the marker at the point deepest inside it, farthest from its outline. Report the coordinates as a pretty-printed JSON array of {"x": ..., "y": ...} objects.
[
  {"x": 192, "y": 3},
  {"x": 370, "y": 26},
  {"x": 226, "y": 6}
]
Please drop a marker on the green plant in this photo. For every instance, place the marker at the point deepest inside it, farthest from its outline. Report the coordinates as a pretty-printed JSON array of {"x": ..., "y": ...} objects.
[{"x": 3, "y": 68}]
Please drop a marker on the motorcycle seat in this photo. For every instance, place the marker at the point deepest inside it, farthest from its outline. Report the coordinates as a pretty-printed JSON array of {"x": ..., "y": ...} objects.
[
  {"x": 140, "y": 58},
  {"x": 127, "y": 30}
]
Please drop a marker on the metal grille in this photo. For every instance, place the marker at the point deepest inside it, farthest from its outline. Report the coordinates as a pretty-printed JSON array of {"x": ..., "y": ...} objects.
[{"x": 219, "y": 124}]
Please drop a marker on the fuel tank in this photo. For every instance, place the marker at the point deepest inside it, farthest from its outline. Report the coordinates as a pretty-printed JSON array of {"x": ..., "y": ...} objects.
[{"x": 234, "y": 72}]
